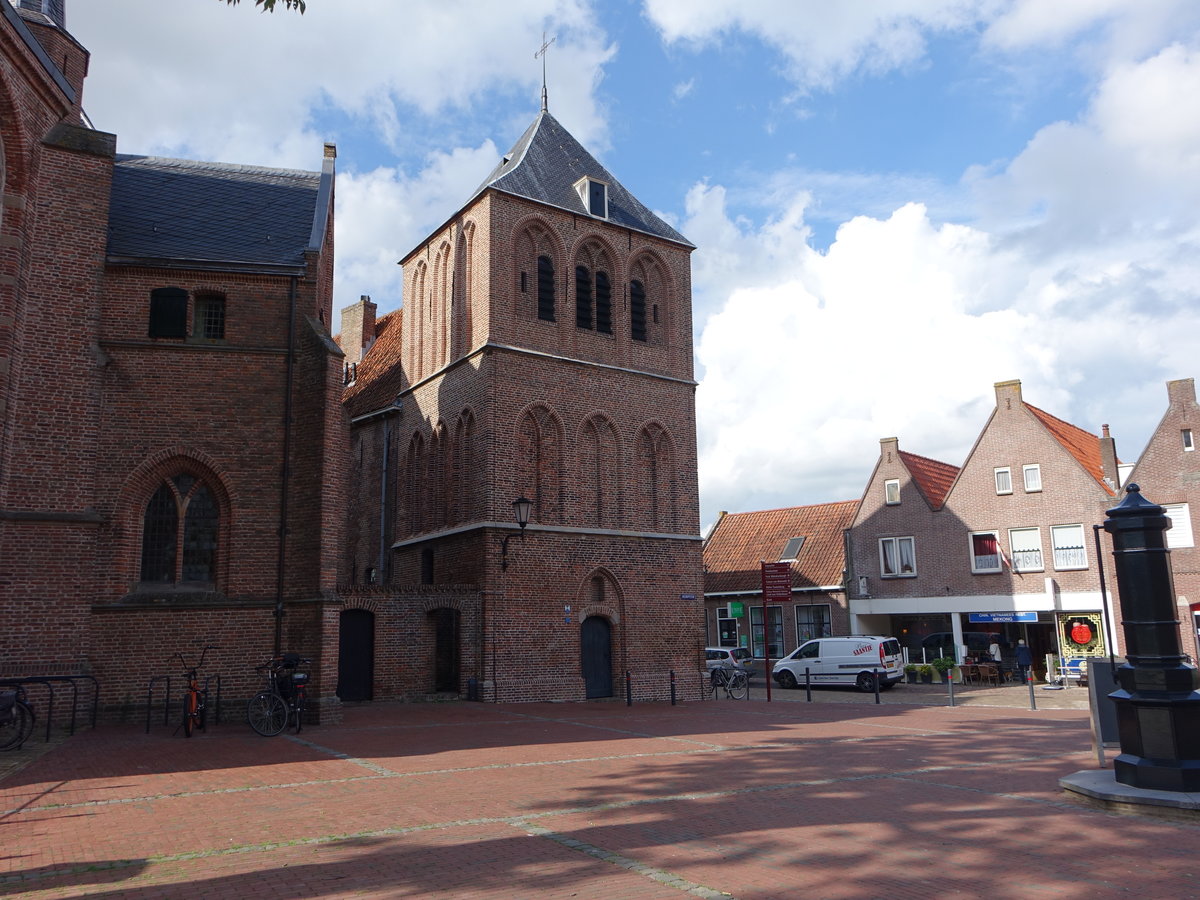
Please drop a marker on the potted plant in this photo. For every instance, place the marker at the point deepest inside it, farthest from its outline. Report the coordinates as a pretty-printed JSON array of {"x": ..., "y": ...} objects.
[
  {"x": 910, "y": 670},
  {"x": 944, "y": 666},
  {"x": 926, "y": 673}
]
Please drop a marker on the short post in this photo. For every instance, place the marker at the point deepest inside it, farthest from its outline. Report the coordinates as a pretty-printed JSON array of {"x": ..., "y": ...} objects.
[
  {"x": 875, "y": 679},
  {"x": 1029, "y": 681},
  {"x": 672, "y": 687},
  {"x": 808, "y": 683},
  {"x": 950, "y": 685},
  {"x": 628, "y": 689},
  {"x": 1158, "y": 704}
]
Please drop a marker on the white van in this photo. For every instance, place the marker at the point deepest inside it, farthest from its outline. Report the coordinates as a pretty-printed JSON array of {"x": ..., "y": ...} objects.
[{"x": 843, "y": 660}]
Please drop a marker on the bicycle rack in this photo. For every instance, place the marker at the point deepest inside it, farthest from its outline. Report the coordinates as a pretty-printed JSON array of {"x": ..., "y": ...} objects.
[
  {"x": 166, "y": 700},
  {"x": 48, "y": 682}
]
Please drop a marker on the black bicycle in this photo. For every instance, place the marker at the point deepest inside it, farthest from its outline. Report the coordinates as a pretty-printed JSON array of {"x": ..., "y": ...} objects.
[
  {"x": 283, "y": 699},
  {"x": 16, "y": 718},
  {"x": 195, "y": 697}
]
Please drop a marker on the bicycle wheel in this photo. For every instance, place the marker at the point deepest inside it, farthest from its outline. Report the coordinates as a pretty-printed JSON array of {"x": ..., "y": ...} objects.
[
  {"x": 298, "y": 708},
  {"x": 191, "y": 700},
  {"x": 267, "y": 713},
  {"x": 13, "y": 735},
  {"x": 739, "y": 686}
]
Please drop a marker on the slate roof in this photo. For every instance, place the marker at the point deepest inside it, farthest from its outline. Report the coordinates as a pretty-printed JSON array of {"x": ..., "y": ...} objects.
[
  {"x": 210, "y": 213},
  {"x": 739, "y": 542},
  {"x": 1082, "y": 445},
  {"x": 380, "y": 375},
  {"x": 546, "y": 162},
  {"x": 932, "y": 478}
]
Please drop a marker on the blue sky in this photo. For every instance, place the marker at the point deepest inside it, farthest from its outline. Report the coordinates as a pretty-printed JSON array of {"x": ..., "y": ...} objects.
[{"x": 896, "y": 203}]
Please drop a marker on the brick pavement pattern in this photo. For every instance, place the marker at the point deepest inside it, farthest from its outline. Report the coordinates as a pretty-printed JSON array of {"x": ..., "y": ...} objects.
[{"x": 716, "y": 799}]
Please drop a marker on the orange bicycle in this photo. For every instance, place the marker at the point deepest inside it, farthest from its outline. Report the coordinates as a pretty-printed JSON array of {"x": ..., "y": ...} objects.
[{"x": 195, "y": 698}]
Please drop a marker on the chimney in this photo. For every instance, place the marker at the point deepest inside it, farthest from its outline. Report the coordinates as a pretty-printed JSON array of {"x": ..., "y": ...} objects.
[
  {"x": 358, "y": 329},
  {"x": 889, "y": 449},
  {"x": 1108, "y": 459},
  {"x": 1181, "y": 394},
  {"x": 1008, "y": 394}
]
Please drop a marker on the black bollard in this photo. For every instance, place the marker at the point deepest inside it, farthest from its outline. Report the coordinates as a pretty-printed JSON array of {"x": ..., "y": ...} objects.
[
  {"x": 628, "y": 689},
  {"x": 1157, "y": 704},
  {"x": 672, "y": 687},
  {"x": 808, "y": 683}
]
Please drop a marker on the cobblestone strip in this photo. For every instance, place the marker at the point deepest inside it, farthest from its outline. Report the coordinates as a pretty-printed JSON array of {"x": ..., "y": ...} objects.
[{"x": 632, "y": 865}]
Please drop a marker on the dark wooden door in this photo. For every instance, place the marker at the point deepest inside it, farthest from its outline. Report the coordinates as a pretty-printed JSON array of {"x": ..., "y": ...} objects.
[
  {"x": 356, "y": 654},
  {"x": 445, "y": 652},
  {"x": 595, "y": 640}
]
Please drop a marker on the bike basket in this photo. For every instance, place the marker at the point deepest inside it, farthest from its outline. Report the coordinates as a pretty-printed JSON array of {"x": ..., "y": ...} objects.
[{"x": 299, "y": 677}]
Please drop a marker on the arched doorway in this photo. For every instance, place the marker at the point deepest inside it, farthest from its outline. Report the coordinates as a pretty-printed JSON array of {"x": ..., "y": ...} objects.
[
  {"x": 595, "y": 651},
  {"x": 356, "y": 654},
  {"x": 445, "y": 650}
]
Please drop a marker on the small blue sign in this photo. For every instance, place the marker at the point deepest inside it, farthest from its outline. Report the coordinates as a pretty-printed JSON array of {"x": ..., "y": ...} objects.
[{"x": 1003, "y": 617}]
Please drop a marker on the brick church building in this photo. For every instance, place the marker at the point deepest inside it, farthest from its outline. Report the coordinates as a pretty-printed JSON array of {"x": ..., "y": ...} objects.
[
  {"x": 183, "y": 463},
  {"x": 171, "y": 430},
  {"x": 543, "y": 353}
]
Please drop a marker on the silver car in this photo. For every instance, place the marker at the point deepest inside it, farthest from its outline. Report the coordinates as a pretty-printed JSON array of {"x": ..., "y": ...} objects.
[{"x": 729, "y": 658}]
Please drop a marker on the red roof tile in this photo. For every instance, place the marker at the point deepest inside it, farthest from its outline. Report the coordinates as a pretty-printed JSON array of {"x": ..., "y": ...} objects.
[
  {"x": 932, "y": 478},
  {"x": 380, "y": 376},
  {"x": 1083, "y": 445},
  {"x": 741, "y": 541}
]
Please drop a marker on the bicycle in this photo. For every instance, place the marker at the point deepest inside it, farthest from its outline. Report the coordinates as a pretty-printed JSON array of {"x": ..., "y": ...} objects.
[
  {"x": 16, "y": 718},
  {"x": 735, "y": 682},
  {"x": 284, "y": 698},
  {"x": 195, "y": 698}
]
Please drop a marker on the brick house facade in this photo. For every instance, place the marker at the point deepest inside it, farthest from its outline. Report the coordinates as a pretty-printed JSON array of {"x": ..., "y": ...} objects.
[
  {"x": 1168, "y": 473},
  {"x": 544, "y": 351},
  {"x": 811, "y": 540},
  {"x": 1003, "y": 545},
  {"x": 172, "y": 445}
]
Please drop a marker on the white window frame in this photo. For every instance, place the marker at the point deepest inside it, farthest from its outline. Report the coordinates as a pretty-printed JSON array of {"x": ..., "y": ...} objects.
[
  {"x": 1068, "y": 558},
  {"x": 977, "y": 569},
  {"x": 1035, "y": 470},
  {"x": 891, "y": 492},
  {"x": 828, "y": 622},
  {"x": 1006, "y": 472},
  {"x": 1188, "y": 444},
  {"x": 1025, "y": 560},
  {"x": 1180, "y": 532},
  {"x": 896, "y": 543}
]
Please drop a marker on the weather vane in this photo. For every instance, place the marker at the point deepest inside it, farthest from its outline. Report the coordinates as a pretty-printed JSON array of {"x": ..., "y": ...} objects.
[{"x": 542, "y": 53}]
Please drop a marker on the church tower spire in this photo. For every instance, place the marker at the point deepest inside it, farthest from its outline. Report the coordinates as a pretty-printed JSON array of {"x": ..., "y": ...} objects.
[{"x": 542, "y": 53}]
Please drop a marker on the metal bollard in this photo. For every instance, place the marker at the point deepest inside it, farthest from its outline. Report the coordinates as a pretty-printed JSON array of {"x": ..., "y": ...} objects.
[
  {"x": 1029, "y": 681},
  {"x": 875, "y": 677},
  {"x": 672, "y": 687},
  {"x": 628, "y": 689},
  {"x": 808, "y": 683},
  {"x": 950, "y": 685}
]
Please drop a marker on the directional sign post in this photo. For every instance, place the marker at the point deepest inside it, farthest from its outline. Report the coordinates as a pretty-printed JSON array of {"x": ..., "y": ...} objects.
[{"x": 776, "y": 586}]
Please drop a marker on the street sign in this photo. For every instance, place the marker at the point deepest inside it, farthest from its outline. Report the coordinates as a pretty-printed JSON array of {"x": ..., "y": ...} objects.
[{"x": 776, "y": 581}]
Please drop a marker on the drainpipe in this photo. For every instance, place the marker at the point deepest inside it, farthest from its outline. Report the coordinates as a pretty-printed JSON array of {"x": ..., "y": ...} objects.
[
  {"x": 286, "y": 468},
  {"x": 383, "y": 504}
]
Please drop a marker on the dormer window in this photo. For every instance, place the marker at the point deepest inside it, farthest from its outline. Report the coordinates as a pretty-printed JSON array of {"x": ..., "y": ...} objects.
[
  {"x": 792, "y": 549},
  {"x": 594, "y": 195}
]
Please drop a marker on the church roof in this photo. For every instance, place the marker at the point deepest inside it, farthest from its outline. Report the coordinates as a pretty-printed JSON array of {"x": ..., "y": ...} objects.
[
  {"x": 546, "y": 163},
  {"x": 210, "y": 214}
]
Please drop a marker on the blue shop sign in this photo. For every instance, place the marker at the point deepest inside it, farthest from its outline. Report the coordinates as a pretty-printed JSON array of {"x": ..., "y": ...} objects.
[{"x": 1003, "y": 617}]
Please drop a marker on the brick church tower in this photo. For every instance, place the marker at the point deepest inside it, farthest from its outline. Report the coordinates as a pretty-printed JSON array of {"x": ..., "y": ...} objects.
[{"x": 544, "y": 352}]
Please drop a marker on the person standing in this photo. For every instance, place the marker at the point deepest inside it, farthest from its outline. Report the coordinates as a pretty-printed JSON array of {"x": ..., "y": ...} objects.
[
  {"x": 1024, "y": 660},
  {"x": 994, "y": 649}
]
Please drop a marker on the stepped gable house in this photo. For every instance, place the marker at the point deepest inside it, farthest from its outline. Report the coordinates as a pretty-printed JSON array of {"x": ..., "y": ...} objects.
[
  {"x": 171, "y": 432},
  {"x": 544, "y": 352}
]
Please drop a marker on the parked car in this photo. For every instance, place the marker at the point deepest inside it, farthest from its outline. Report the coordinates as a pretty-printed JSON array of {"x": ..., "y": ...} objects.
[
  {"x": 856, "y": 660},
  {"x": 730, "y": 658}
]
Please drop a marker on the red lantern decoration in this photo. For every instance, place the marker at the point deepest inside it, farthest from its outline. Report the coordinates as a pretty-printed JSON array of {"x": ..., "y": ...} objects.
[{"x": 1081, "y": 632}]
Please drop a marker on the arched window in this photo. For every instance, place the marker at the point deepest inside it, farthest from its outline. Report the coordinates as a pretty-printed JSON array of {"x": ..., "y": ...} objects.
[
  {"x": 603, "y": 303},
  {"x": 637, "y": 310},
  {"x": 179, "y": 534},
  {"x": 545, "y": 288},
  {"x": 598, "y": 473},
  {"x": 539, "y": 463},
  {"x": 656, "y": 478},
  {"x": 583, "y": 297}
]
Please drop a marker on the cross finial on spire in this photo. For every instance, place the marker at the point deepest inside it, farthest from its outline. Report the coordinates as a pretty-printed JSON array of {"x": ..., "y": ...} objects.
[{"x": 542, "y": 53}]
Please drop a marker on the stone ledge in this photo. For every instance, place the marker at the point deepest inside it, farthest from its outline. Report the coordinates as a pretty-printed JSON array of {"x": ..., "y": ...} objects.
[{"x": 1100, "y": 788}]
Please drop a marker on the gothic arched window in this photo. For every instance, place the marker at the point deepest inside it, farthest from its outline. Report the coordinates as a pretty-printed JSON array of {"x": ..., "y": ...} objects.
[{"x": 179, "y": 534}]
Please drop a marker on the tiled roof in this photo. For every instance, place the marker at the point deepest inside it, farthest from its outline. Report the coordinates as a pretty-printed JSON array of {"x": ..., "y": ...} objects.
[
  {"x": 1083, "y": 445},
  {"x": 177, "y": 209},
  {"x": 546, "y": 162},
  {"x": 932, "y": 478},
  {"x": 741, "y": 541},
  {"x": 380, "y": 375}
]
